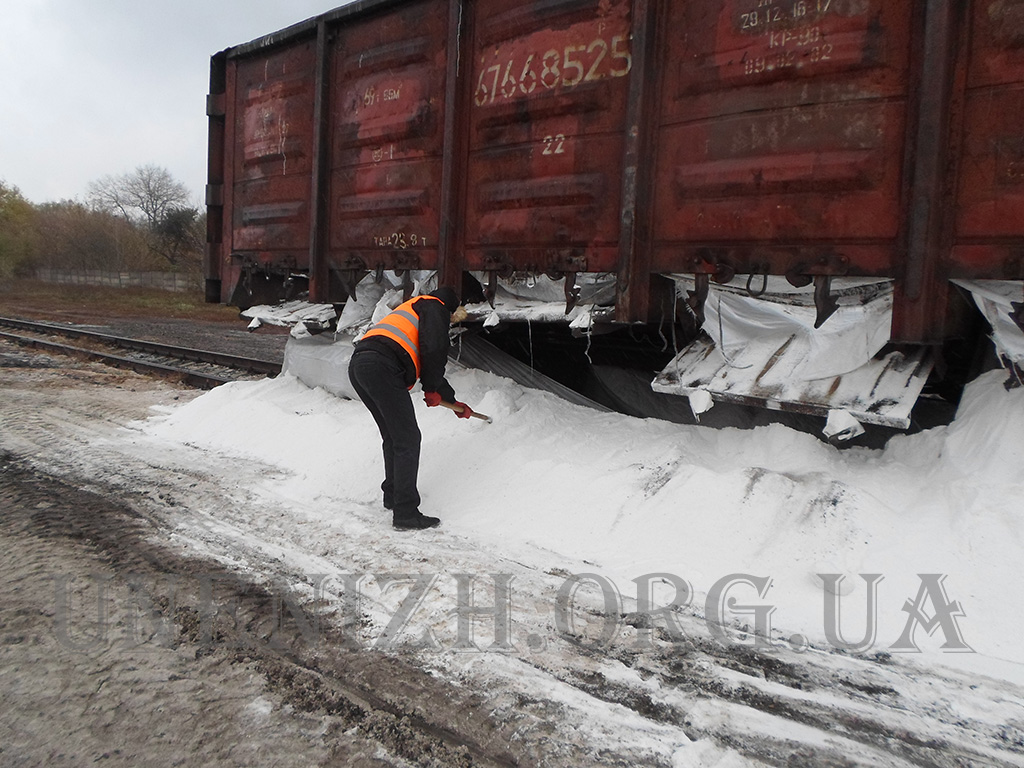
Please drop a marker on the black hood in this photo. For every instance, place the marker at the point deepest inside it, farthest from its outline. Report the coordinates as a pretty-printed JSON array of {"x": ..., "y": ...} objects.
[{"x": 448, "y": 296}]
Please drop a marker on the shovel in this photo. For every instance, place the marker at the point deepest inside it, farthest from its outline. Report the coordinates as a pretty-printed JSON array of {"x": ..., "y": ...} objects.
[{"x": 458, "y": 409}]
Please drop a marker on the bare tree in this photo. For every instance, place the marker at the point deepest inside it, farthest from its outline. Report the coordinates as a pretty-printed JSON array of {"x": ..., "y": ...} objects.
[
  {"x": 152, "y": 200},
  {"x": 143, "y": 196}
]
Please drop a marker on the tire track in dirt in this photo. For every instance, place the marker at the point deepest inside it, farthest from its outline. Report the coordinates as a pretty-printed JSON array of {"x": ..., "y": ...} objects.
[{"x": 248, "y": 628}]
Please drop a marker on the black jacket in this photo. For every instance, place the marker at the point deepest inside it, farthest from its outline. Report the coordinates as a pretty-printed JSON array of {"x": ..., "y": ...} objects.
[{"x": 435, "y": 322}]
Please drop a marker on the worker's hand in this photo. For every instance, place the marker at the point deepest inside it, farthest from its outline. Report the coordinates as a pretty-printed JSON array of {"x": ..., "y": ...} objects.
[
  {"x": 431, "y": 399},
  {"x": 466, "y": 411}
]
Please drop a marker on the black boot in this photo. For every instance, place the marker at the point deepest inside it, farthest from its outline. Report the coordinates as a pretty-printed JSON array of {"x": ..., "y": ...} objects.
[{"x": 415, "y": 522}]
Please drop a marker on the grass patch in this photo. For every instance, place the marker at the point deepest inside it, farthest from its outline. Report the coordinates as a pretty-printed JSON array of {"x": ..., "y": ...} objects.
[{"x": 38, "y": 300}]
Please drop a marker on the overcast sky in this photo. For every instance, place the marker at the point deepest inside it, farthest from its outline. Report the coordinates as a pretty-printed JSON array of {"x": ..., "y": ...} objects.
[{"x": 90, "y": 88}]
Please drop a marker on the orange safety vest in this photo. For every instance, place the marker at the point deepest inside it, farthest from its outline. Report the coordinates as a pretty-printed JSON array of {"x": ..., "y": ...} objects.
[{"x": 403, "y": 327}]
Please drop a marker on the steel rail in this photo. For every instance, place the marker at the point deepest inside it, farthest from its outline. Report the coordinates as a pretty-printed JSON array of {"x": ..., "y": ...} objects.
[
  {"x": 150, "y": 347},
  {"x": 189, "y": 377}
]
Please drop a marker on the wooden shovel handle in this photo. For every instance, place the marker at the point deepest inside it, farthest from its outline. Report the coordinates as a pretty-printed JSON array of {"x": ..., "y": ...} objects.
[{"x": 458, "y": 409}]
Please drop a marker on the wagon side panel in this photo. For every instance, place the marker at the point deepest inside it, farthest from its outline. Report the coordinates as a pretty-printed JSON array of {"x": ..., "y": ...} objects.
[
  {"x": 990, "y": 195},
  {"x": 782, "y": 136},
  {"x": 546, "y": 105},
  {"x": 386, "y": 138},
  {"x": 268, "y": 160}
]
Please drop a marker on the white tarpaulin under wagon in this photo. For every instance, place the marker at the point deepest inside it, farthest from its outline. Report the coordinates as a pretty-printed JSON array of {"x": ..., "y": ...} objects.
[{"x": 766, "y": 351}]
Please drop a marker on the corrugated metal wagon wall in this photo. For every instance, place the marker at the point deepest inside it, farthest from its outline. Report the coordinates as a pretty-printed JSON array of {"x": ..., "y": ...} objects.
[
  {"x": 807, "y": 138},
  {"x": 989, "y": 222},
  {"x": 547, "y": 92},
  {"x": 781, "y": 136},
  {"x": 262, "y": 155}
]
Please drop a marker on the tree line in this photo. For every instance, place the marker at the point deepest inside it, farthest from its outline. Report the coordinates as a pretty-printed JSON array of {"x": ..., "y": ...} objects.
[{"x": 137, "y": 221}]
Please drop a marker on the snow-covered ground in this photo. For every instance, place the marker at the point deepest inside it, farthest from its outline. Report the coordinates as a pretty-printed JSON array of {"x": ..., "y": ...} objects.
[{"x": 908, "y": 553}]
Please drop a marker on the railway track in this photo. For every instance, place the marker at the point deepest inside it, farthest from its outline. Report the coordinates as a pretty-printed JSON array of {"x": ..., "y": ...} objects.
[{"x": 204, "y": 369}]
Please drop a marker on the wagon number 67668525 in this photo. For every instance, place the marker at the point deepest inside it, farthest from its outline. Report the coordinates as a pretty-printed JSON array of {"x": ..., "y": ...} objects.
[{"x": 573, "y": 65}]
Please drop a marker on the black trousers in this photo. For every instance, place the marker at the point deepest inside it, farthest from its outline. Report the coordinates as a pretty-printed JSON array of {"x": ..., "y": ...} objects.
[{"x": 379, "y": 380}]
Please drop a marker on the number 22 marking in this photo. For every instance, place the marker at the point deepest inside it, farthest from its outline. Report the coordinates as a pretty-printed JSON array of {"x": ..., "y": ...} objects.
[{"x": 554, "y": 145}]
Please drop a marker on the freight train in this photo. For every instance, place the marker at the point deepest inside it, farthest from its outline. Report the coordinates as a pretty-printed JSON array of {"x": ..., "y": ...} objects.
[{"x": 814, "y": 205}]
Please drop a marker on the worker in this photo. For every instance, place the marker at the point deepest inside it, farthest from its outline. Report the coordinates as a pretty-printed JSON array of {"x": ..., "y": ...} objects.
[{"x": 410, "y": 343}]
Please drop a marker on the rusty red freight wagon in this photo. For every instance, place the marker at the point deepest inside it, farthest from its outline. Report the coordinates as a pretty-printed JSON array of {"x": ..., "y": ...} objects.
[{"x": 675, "y": 146}]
